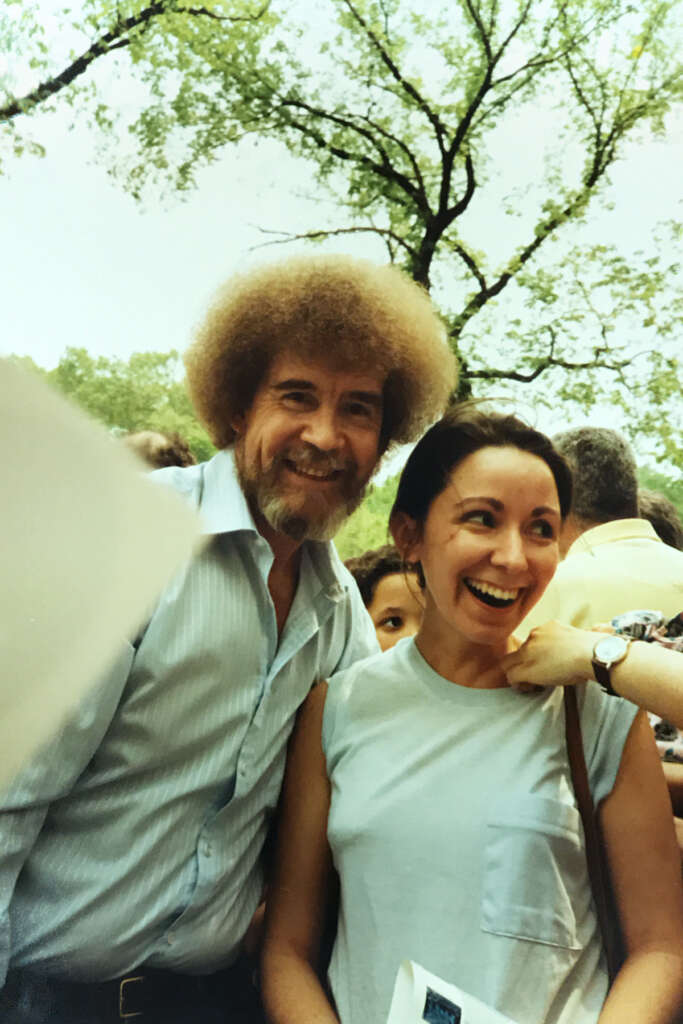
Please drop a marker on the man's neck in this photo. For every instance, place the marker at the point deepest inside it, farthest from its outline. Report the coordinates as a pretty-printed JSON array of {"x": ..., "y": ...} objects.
[
  {"x": 284, "y": 572},
  {"x": 572, "y": 529}
]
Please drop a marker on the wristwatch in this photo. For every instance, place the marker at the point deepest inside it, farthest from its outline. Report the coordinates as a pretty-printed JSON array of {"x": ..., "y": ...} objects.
[{"x": 608, "y": 651}]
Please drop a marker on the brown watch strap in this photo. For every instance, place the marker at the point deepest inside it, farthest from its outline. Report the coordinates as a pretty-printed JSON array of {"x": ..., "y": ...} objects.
[{"x": 602, "y": 676}]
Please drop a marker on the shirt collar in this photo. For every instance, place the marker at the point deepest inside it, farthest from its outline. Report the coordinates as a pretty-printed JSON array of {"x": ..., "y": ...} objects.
[
  {"x": 222, "y": 504},
  {"x": 607, "y": 533}
]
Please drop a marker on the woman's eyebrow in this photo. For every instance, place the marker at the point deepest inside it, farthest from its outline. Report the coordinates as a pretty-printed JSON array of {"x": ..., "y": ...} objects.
[
  {"x": 493, "y": 502},
  {"x": 542, "y": 510}
]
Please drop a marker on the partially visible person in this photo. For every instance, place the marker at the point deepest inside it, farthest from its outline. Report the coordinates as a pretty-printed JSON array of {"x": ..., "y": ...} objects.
[
  {"x": 160, "y": 450},
  {"x": 131, "y": 848},
  {"x": 648, "y": 674},
  {"x": 613, "y": 560},
  {"x": 647, "y": 670},
  {"x": 661, "y": 512},
  {"x": 391, "y": 593},
  {"x": 444, "y": 798}
]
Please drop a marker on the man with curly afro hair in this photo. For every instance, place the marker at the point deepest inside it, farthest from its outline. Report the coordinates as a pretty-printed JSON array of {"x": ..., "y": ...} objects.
[{"x": 135, "y": 862}]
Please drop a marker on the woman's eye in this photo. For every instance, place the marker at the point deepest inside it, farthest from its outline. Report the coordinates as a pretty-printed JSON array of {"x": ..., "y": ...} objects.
[
  {"x": 481, "y": 516},
  {"x": 543, "y": 528},
  {"x": 392, "y": 622}
]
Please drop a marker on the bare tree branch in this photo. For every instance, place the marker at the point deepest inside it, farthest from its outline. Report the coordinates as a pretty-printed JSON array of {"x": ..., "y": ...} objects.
[{"x": 322, "y": 233}]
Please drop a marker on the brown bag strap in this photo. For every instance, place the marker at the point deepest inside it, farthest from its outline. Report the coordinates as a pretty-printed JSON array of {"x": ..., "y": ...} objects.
[{"x": 595, "y": 856}]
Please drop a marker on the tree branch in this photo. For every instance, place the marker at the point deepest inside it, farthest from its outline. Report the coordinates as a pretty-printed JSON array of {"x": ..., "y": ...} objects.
[
  {"x": 408, "y": 87},
  {"x": 470, "y": 263},
  {"x": 115, "y": 38},
  {"x": 385, "y": 169},
  {"x": 462, "y": 204},
  {"x": 550, "y": 360},
  {"x": 322, "y": 233},
  {"x": 406, "y": 149}
]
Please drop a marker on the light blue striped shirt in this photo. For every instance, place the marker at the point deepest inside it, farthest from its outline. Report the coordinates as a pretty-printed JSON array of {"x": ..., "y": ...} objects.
[{"x": 135, "y": 836}]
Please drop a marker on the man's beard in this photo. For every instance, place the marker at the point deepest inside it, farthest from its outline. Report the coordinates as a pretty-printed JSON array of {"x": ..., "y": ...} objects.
[{"x": 283, "y": 510}]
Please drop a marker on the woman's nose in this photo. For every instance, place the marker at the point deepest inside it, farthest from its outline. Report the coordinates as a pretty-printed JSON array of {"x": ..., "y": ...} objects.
[{"x": 510, "y": 551}]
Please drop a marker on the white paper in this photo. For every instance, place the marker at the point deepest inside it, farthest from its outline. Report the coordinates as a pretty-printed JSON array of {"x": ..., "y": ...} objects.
[
  {"x": 421, "y": 997},
  {"x": 87, "y": 544}
]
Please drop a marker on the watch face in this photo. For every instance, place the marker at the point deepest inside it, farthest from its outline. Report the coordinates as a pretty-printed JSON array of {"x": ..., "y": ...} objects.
[{"x": 609, "y": 649}]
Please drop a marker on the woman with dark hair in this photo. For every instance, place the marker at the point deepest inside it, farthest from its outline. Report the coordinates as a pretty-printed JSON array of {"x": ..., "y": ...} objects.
[{"x": 443, "y": 797}]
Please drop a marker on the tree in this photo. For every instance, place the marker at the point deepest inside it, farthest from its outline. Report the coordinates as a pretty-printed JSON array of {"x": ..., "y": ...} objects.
[
  {"x": 368, "y": 527},
  {"x": 666, "y": 485},
  {"x": 145, "y": 393},
  {"x": 407, "y": 118},
  {"x": 162, "y": 39}
]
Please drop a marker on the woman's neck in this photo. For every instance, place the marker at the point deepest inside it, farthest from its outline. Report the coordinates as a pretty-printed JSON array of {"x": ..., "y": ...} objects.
[{"x": 464, "y": 662}]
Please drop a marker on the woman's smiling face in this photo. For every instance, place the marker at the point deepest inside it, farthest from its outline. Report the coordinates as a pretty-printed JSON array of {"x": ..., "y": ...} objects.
[{"x": 489, "y": 546}]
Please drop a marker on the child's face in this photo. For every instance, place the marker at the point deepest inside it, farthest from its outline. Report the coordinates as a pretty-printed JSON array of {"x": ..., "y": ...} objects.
[{"x": 396, "y": 607}]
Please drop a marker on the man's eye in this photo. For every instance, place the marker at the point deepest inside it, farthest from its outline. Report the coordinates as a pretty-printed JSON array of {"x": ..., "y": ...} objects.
[
  {"x": 297, "y": 398},
  {"x": 391, "y": 623},
  {"x": 361, "y": 410}
]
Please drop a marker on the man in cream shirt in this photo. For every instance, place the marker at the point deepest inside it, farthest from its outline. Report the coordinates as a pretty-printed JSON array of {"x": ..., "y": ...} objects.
[{"x": 614, "y": 562}]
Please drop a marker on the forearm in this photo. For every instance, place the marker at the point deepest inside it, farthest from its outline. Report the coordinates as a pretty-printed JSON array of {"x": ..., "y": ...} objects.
[
  {"x": 652, "y": 677},
  {"x": 292, "y": 992},
  {"x": 673, "y": 773},
  {"x": 648, "y": 989}
]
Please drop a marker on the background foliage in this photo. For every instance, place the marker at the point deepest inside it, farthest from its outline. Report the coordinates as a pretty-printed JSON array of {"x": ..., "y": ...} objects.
[{"x": 147, "y": 392}]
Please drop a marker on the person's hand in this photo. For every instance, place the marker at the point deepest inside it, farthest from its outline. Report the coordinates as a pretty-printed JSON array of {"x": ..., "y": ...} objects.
[{"x": 552, "y": 655}]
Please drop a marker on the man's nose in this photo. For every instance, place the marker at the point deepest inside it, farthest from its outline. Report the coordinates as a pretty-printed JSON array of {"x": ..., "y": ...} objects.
[
  {"x": 322, "y": 430},
  {"x": 510, "y": 551}
]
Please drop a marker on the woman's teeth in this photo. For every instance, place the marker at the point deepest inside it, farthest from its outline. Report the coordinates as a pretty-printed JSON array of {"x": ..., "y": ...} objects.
[{"x": 489, "y": 594}]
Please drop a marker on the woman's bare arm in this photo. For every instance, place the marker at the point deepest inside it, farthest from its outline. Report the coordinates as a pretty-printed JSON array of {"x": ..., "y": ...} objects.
[
  {"x": 650, "y": 675},
  {"x": 297, "y": 897},
  {"x": 646, "y": 875}
]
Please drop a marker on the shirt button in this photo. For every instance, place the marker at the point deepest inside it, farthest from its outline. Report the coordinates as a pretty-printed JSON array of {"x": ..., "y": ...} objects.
[
  {"x": 207, "y": 848},
  {"x": 170, "y": 938}
]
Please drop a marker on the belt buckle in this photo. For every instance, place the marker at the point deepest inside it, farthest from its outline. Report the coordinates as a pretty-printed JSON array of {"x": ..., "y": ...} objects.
[{"x": 128, "y": 981}]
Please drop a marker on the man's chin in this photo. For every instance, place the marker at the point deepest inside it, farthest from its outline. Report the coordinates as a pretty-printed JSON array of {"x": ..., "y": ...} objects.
[{"x": 300, "y": 527}]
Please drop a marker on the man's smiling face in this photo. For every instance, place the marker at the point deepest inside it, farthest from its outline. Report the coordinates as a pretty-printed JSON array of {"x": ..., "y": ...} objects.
[{"x": 308, "y": 445}]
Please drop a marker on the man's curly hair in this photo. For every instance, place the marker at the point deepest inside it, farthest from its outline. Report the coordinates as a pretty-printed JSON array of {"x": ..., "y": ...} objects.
[{"x": 348, "y": 312}]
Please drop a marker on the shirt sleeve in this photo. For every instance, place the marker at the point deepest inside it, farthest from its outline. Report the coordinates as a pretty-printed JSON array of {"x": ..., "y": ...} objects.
[
  {"x": 605, "y": 725},
  {"x": 51, "y": 774}
]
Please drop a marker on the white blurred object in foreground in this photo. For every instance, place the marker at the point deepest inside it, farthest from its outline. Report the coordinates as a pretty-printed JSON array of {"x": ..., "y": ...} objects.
[
  {"x": 87, "y": 544},
  {"x": 421, "y": 997}
]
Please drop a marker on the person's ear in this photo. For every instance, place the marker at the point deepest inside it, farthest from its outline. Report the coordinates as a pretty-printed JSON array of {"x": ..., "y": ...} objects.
[
  {"x": 238, "y": 424},
  {"x": 406, "y": 534}
]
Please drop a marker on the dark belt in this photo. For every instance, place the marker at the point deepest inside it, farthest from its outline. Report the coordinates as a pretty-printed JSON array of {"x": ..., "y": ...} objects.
[{"x": 147, "y": 992}]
